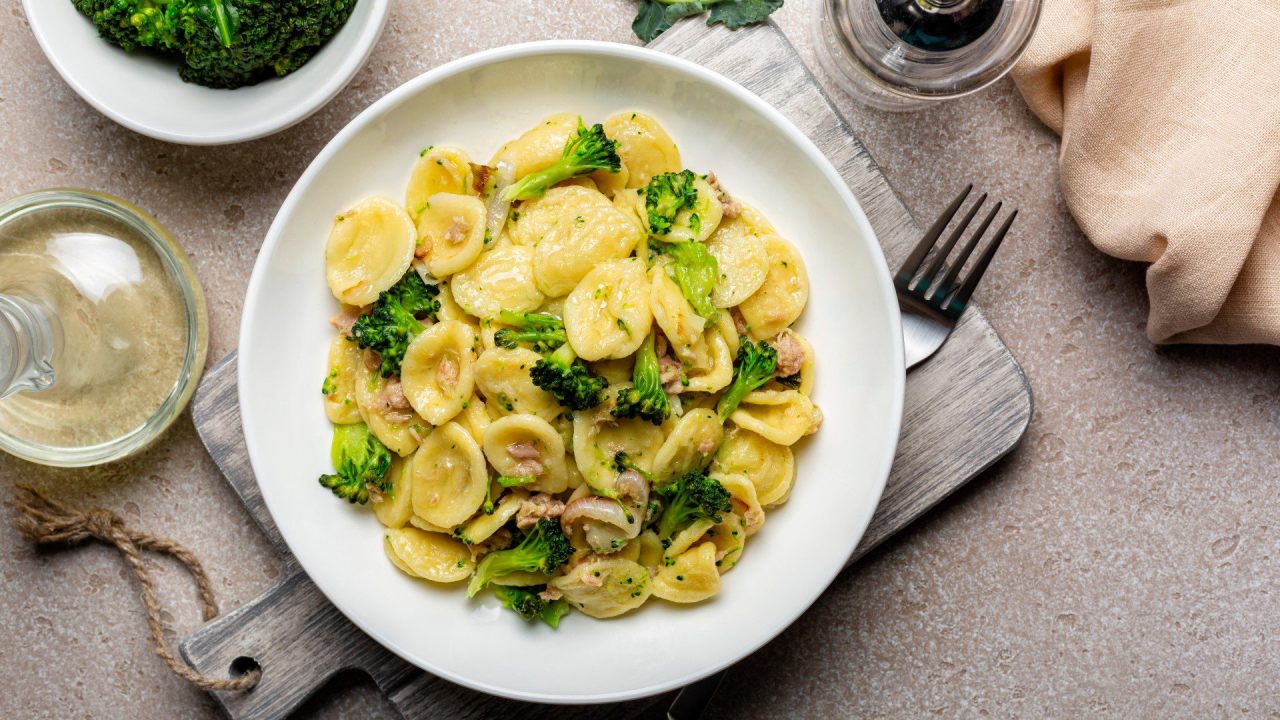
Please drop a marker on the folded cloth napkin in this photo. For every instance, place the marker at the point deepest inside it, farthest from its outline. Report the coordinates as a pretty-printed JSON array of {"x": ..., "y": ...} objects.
[{"x": 1169, "y": 112}]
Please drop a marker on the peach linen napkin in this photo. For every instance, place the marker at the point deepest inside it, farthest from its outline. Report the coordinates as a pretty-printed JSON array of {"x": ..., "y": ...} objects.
[{"x": 1169, "y": 112}]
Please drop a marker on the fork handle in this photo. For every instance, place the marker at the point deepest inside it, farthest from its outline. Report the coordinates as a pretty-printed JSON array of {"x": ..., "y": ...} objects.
[{"x": 694, "y": 698}]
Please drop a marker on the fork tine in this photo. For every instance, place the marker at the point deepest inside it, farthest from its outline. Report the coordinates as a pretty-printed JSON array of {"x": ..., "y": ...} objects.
[
  {"x": 975, "y": 275},
  {"x": 917, "y": 256},
  {"x": 932, "y": 274},
  {"x": 969, "y": 246}
]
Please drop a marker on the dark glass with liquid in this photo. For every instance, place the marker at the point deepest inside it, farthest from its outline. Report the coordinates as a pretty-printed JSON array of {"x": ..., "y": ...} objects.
[
  {"x": 907, "y": 54},
  {"x": 939, "y": 25}
]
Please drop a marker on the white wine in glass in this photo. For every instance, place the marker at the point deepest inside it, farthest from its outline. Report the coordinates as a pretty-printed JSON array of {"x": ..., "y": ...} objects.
[{"x": 102, "y": 328}]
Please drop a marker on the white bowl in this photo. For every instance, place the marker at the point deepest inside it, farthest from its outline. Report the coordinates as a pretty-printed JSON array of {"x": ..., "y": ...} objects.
[
  {"x": 145, "y": 94},
  {"x": 852, "y": 321}
]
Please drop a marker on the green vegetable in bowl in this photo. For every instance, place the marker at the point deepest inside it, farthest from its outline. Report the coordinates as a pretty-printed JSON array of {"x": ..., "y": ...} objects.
[{"x": 222, "y": 43}]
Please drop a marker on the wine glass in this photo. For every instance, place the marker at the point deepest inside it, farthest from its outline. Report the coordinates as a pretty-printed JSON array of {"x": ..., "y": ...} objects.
[
  {"x": 907, "y": 54},
  {"x": 103, "y": 330}
]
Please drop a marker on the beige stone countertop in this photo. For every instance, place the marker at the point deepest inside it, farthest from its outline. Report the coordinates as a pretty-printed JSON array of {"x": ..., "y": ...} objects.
[{"x": 1123, "y": 562}]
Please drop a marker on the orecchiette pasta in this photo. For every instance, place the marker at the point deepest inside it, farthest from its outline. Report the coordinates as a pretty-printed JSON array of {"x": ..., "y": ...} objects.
[
  {"x": 502, "y": 279},
  {"x": 437, "y": 373},
  {"x": 743, "y": 497},
  {"x": 340, "y": 384},
  {"x": 540, "y": 147},
  {"x": 527, "y": 446},
  {"x": 449, "y": 477},
  {"x": 394, "y": 508},
  {"x": 644, "y": 146},
  {"x": 503, "y": 376},
  {"x": 579, "y": 242},
  {"x": 601, "y": 371},
  {"x": 769, "y": 466},
  {"x": 604, "y": 587},
  {"x": 430, "y": 556},
  {"x": 399, "y": 429},
  {"x": 535, "y": 218},
  {"x": 782, "y": 296},
  {"x": 783, "y": 416},
  {"x": 369, "y": 249},
  {"x": 690, "y": 446},
  {"x": 680, "y": 323},
  {"x": 742, "y": 260},
  {"x": 440, "y": 169},
  {"x": 598, "y": 437},
  {"x": 692, "y": 578},
  {"x": 607, "y": 315},
  {"x": 451, "y": 232}
]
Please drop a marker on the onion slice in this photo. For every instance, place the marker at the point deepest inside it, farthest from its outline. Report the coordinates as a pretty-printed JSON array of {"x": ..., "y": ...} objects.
[{"x": 498, "y": 210}]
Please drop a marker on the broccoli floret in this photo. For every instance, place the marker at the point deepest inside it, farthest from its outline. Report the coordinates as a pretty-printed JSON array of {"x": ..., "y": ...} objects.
[
  {"x": 231, "y": 43},
  {"x": 645, "y": 398},
  {"x": 361, "y": 462},
  {"x": 694, "y": 270},
  {"x": 566, "y": 377},
  {"x": 507, "y": 481},
  {"x": 587, "y": 151},
  {"x": 622, "y": 462},
  {"x": 543, "y": 550},
  {"x": 754, "y": 366},
  {"x": 665, "y": 196},
  {"x": 529, "y": 605},
  {"x": 541, "y": 331},
  {"x": 693, "y": 496},
  {"x": 133, "y": 24},
  {"x": 393, "y": 323}
]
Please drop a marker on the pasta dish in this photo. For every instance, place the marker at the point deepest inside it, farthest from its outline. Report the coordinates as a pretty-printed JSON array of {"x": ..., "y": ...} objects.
[{"x": 567, "y": 376}]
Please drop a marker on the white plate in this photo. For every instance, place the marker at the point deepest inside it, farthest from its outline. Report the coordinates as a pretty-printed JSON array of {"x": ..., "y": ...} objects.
[
  {"x": 145, "y": 94},
  {"x": 852, "y": 320}
]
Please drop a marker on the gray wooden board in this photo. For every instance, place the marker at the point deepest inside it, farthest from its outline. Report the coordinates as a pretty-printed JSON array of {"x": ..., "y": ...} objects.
[{"x": 965, "y": 408}]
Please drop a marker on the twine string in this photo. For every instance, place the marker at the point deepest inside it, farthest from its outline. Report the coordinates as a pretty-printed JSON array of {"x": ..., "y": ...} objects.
[{"x": 47, "y": 521}]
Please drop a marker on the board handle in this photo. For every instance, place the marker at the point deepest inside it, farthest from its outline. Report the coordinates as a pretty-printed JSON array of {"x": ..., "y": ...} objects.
[{"x": 295, "y": 636}]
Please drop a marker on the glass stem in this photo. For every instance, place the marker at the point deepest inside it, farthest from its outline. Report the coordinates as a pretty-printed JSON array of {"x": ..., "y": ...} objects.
[{"x": 27, "y": 344}]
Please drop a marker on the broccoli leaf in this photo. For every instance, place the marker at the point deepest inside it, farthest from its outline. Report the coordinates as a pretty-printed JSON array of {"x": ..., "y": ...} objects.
[
  {"x": 655, "y": 17},
  {"x": 738, "y": 13},
  {"x": 695, "y": 271}
]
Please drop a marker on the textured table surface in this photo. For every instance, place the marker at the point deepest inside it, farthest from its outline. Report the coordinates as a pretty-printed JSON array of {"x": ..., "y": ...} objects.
[{"x": 1124, "y": 562}]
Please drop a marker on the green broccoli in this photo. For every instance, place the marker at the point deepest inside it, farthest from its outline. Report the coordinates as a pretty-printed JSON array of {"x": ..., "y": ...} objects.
[
  {"x": 134, "y": 24},
  {"x": 694, "y": 270},
  {"x": 393, "y": 323},
  {"x": 543, "y": 550},
  {"x": 754, "y": 366},
  {"x": 361, "y": 462},
  {"x": 693, "y": 496},
  {"x": 587, "y": 151},
  {"x": 645, "y": 398},
  {"x": 231, "y": 43},
  {"x": 541, "y": 331},
  {"x": 529, "y": 605},
  {"x": 507, "y": 481},
  {"x": 665, "y": 196},
  {"x": 222, "y": 43},
  {"x": 566, "y": 377},
  {"x": 622, "y": 462}
]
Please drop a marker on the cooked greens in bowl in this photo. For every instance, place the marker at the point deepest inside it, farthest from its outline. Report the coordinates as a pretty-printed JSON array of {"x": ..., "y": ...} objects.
[{"x": 221, "y": 43}]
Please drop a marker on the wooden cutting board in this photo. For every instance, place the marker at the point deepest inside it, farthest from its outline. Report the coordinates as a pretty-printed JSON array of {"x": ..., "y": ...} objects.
[{"x": 965, "y": 408}]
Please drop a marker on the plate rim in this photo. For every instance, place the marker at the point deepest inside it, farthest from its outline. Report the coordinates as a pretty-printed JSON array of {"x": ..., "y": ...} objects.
[
  {"x": 313, "y": 102},
  {"x": 373, "y": 112}
]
